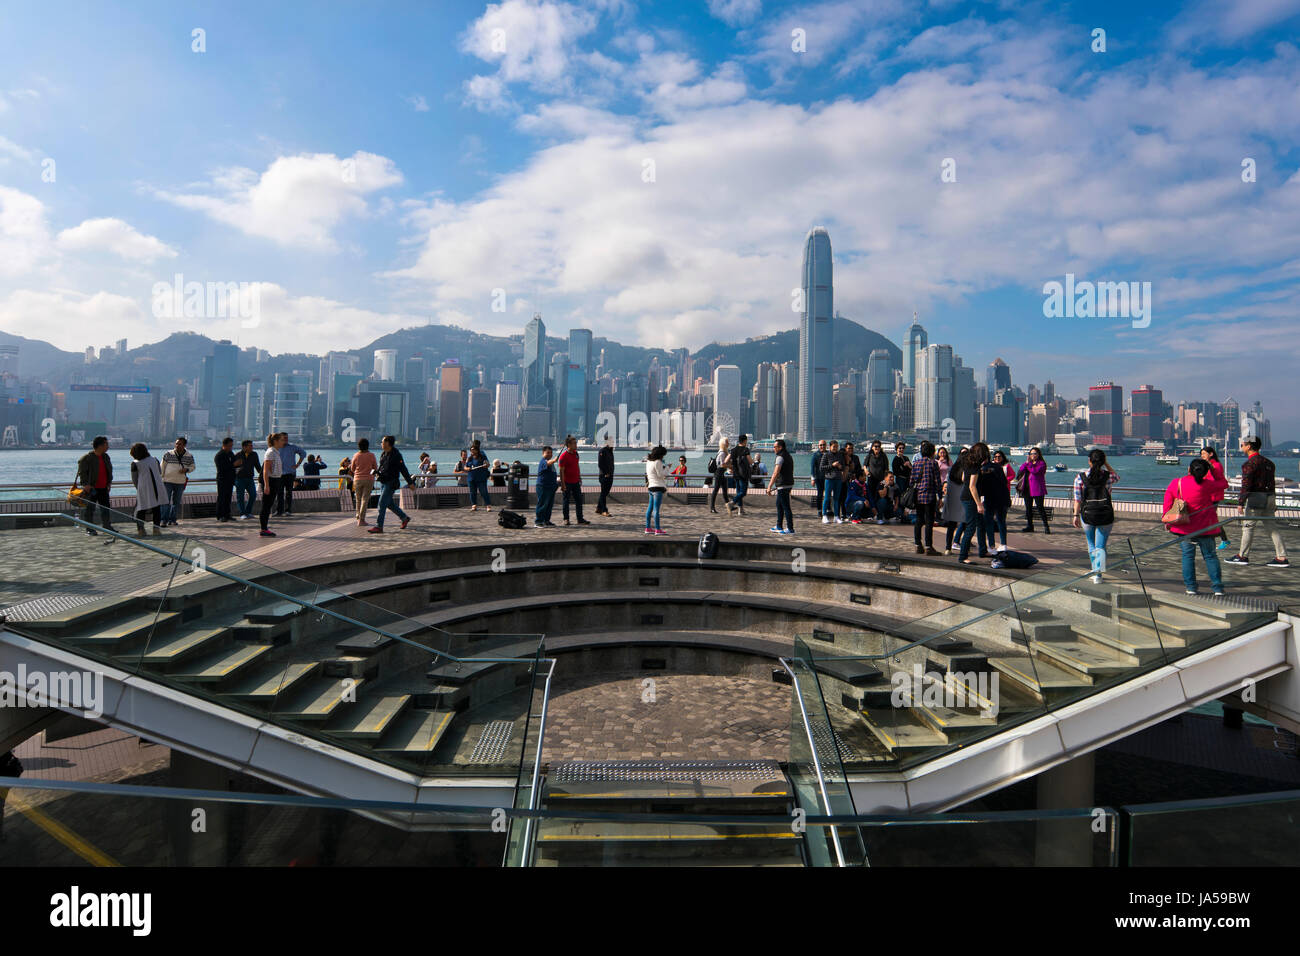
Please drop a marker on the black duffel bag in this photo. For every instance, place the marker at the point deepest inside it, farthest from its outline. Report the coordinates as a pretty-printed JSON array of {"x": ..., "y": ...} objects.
[{"x": 511, "y": 520}]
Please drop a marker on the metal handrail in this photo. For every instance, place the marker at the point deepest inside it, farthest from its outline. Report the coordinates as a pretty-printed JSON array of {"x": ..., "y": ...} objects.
[
  {"x": 527, "y": 848},
  {"x": 1013, "y": 604},
  {"x": 294, "y": 600},
  {"x": 817, "y": 764}
]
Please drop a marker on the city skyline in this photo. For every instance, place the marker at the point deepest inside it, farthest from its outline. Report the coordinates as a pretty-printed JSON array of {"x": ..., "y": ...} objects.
[{"x": 563, "y": 175}]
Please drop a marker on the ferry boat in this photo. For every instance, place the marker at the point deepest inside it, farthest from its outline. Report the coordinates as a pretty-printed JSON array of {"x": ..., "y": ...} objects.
[
  {"x": 1168, "y": 460},
  {"x": 1060, "y": 466}
]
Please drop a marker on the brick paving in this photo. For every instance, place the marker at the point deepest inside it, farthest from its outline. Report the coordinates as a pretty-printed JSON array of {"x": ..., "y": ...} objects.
[{"x": 691, "y": 716}]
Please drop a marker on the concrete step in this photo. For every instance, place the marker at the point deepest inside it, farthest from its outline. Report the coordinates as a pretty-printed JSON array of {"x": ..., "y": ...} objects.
[
  {"x": 138, "y": 625},
  {"x": 416, "y": 731},
  {"x": 1140, "y": 644},
  {"x": 169, "y": 650},
  {"x": 369, "y": 721},
  {"x": 221, "y": 664},
  {"x": 270, "y": 681},
  {"x": 319, "y": 699},
  {"x": 1086, "y": 658},
  {"x": 1174, "y": 621},
  {"x": 1038, "y": 676},
  {"x": 899, "y": 730}
]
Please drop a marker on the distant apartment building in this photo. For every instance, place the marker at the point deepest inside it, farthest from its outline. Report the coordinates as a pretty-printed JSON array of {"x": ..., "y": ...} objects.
[
  {"x": 506, "y": 418},
  {"x": 289, "y": 403}
]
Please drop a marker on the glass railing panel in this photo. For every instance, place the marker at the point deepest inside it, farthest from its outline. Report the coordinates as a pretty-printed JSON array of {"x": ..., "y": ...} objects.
[
  {"x": 229, "y": 629},
  {"x": 55, "y": 824},
  {"x": 528, "y": 788},
  {"x": 670, "y": 840},
  {"x": 1252, "y": 830},
  {"x": 1083, "y": 837},
  {"x": 816, "y": 766}
]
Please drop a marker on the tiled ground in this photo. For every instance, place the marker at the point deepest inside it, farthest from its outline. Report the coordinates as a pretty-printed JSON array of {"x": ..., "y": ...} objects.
[{"x": 679, "y": 716}]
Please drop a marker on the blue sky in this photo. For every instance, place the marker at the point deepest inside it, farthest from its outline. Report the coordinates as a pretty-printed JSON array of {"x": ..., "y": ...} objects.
[{"x": 506, "y": 147}]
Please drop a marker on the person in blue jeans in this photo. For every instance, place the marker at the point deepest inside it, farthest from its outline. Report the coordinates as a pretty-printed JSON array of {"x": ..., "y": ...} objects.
[
  {"x": 248, "y": 471},
  {"x": 656, "y": 487},
  {"x": 833, "y": 474},
  {"x": 978, "y": 466},
  {"x": 547, "y": 481},
  {"x": 477, "y": 466},
  {"x": 392, "y": 468}
]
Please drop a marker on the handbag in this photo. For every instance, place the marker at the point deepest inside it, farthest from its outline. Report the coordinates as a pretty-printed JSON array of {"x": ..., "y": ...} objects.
[
  {"x": 713, "y": 465},
  {"x": 1022, "y": 485},
  {"x": 78, "y": 496},
  {"x": 908, "y": 500},
  {"x": 1179, "y": 514}
]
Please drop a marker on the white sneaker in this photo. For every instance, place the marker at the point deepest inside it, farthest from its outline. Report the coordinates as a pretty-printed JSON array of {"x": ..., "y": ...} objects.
[
  {"x": 826, "y": 519},
  {"x": 839, "y": 520}
]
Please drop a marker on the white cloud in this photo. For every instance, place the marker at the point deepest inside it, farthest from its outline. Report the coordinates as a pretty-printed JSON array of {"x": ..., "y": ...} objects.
[
  {"x": 487, "y": 93},
  {"x": 1225, "y": 22},
  {"x": 735, "y": 12},
  {"x": 418, "y": 103},
  {"x": 710, "y": 249},
  {"x": 63, "y": 318},
  {"x": 116, "y": 236},
  {"x": 24, "y": 236},
  {"x": 298, "y": 201},
  {"x": 530, "y": 41}
]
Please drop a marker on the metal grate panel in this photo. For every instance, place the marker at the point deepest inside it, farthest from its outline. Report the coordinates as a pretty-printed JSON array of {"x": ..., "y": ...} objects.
[
  {"x": 583, "y": 771},
  {"x": 491, "y": 746}
]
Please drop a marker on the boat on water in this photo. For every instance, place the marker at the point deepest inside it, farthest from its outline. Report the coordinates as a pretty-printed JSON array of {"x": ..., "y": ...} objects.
[
  {"x": 1167, "y": 460},
  {"x": 1060, "y": 466}
]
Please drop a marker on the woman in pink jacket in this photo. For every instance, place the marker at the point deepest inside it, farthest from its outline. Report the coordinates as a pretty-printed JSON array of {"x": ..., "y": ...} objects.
[
  {"x": 1212, "y": 456},
  {"x": 1198, "y": 488},
  {"x": 1034, "y": 473}
]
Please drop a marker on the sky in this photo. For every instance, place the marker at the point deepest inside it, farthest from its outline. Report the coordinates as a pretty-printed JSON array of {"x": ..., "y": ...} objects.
[{"x": 650, "y": 171}]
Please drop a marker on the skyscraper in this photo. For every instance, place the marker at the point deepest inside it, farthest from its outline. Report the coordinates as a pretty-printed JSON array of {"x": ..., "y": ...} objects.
[
  {"x": 1106, "y": 413},
  {"x": 997, "y": 376},
  {"x": 451, "y": 405},
  {"x": 534, "y": 362},
  {"x": 964, "y": 411},
  {"x": 289, "y": 403},
  {"x": 726, "y": 402},
  {"x": 913, "y": 342},
  {"x": 789, "y": 398},
  {"x": 386, "y": 365},
  {"x": 220, "y": 375},
  {"x": 934, "y": 395},
  {"x": 1148, "y": 413},
  {"x": 816, "y": 346},
  {"x": 880, "y": 391},
  {"x": 507, "y": 410}
]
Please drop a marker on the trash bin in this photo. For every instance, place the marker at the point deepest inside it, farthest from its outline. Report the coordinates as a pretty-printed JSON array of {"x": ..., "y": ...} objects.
[{"x": 517, "y": 486}]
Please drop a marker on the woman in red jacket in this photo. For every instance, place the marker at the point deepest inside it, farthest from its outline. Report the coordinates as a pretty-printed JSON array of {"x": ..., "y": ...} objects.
[
  {"x": 1216, "y": 467},
  {"x": 1197, "y": 488}
]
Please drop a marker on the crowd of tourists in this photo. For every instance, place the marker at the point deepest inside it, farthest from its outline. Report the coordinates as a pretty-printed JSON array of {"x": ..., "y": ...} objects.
[{"x": 966, "y": 497}]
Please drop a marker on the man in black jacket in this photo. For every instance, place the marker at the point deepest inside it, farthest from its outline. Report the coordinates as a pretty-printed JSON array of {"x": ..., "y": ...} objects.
[
  {"x": 392, "y": 468},
  {"x": 95, "y": 475},
  {"x": 1258, "y": 499},
  {"x": 819, "y": 482},
  {"x": 225, "y": 462},
  {"x": 902, "y": 469},
  {"x": 605, "y": 469}
]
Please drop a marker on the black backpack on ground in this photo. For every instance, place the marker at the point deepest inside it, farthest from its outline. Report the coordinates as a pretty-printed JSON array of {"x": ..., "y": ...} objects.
[
  {"x": 512, "y": 520},
  {"x": 1014, "y": 559},
  {"x": 709, "y": 545},
  {"x": 1096, "y": 507}
]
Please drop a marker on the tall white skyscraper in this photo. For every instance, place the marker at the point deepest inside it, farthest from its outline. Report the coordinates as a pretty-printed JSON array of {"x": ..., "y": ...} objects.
[
  {"x": 880, "y": 392},
  {"x": 506, "y": 424},
  {"x": 789, "y": 398},
  {"x": 289, "y": 403},
  {"x": 386, "y": 365},
  {"x": 816, "y": 345},
  {"x": 726, "y": 402},
  {"x": 934, "y": 386},
  {"x": 913, "y": 342}
]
